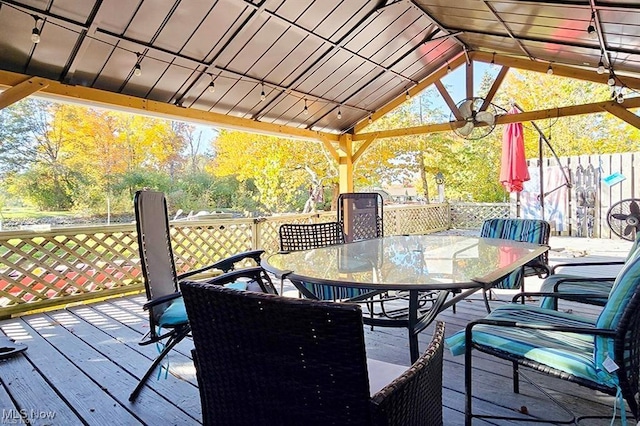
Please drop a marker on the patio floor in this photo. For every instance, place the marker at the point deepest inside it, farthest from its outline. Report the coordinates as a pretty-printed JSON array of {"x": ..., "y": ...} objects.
[{"x": 83, "y": 361}]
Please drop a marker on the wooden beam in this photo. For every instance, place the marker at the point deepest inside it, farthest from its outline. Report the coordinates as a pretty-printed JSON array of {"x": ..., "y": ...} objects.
[
  {"x": 448, "y": 100},
  {"x": 623, "y": 114},
  {"x": 105, "y": 99},
  {"x": 329, "y": 146},
  {"x": 345, "y": 165},
  {"x": 21, "y": 91},
  {"x": 505, "y": 119},
  {"x": 469, "y": 79},
  {"x": 558, "y": 69},
  {"x": 432, "y": 78},
  {"x": 494, "y": 87},
  {"x": 366, "y": 144}
]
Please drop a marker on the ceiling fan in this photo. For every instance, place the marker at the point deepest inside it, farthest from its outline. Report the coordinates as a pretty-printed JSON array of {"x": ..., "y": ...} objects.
[{"x": 477, "y": 122}]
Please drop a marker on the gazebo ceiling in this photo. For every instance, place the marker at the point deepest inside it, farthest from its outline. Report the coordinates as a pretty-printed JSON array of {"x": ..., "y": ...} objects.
[{"x": 344, "y": 60}]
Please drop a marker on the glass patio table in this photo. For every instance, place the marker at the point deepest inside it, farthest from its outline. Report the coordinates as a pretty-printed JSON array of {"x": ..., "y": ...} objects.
[{"x": 456, "y": 265}]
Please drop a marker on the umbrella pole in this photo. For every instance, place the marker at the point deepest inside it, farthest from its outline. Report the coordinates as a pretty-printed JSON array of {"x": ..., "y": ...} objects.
[{"x": 540, "y": 154}]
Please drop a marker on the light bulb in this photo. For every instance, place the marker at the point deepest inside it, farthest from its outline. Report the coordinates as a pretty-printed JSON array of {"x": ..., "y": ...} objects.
[
  {"x": 591, "y": 32},
  {"x": 407, "y": 96},
  {"x": 448, "y": 69},
  {"x": 306, "y": 110},
  {"x": 600, "y": 67},
  {"x": 550, "y": 70},
  {"x": 620, "y": 97},
  {"x": 137, "y": 71},
  {"x": 212, "y": 87},
  {"x": 339, "y": 114},
  {"x": 370, "y": 119},
  {"x": 35, "y": 35},
  {"x": 262, "y": 94},
  {"x": 612, "y": 80}
]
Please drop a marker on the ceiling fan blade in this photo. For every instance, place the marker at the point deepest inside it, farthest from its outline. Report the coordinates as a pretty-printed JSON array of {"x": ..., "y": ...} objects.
[
  {"x": 628, "y": 229},
  {"x": 634, "y": 208},
  {"x": 465, "y": 108},
  {"x": 486, "y": 117},
  {"x": 619, "y": 216},
  {"x": 466, "y": 129}
]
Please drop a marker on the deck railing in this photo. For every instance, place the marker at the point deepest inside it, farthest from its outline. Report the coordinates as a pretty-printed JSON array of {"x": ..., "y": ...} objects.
[{"x": 67, "y": 265}]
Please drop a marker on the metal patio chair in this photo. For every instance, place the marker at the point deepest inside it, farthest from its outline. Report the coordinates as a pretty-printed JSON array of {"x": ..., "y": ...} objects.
[
  {"x": 273, "y": 360},
  {"x": 601, "y": 353},
  {"x": 361, "y": 215},
  {"x": 168, "y": 323}
]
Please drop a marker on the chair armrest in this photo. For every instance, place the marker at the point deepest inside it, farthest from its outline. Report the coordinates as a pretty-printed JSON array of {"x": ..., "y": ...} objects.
[
  {"x": 567, "y": 265},
  {"x": 554, "y": 294},
  {"x": 415, "y": 397},
  {"x": 227, "y": 264},
  {"x": 159, "y": 300}
]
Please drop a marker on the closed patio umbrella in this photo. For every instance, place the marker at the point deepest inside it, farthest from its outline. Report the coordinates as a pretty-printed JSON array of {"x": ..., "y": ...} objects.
[{"x": 513, "y": 170}]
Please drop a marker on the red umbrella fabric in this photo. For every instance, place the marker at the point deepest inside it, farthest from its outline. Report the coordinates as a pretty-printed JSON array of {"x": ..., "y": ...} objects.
[{"x": 513, "y": 170}]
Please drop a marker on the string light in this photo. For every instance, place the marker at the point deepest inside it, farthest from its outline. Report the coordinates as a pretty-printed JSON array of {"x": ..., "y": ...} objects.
[
  {"x": 262, "y": 95},
  {"x": 448, "y": 68},
  {"x": 212, "y": 85},
  {"x": 370, "y": 119},
  {"x": 620, "y": 97},
  {"x": 600, "y": 67},
  {"x": 407, "y": 96},
  {"x": 339, "y": 113},
  {"x": 306, "y": 110},
  {"x": 612, "y": 79},
  {"x": 35, "y": 32},
  {"x": 591, "y": 29},
  {"x": 493, "y": 60},
  {"x": 550, "y": 69},
  {"x": 137, "y": 70}
]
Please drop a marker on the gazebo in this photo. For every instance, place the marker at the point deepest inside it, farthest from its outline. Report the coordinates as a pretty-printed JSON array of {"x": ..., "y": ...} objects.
[{"x": 308, "y": 70}]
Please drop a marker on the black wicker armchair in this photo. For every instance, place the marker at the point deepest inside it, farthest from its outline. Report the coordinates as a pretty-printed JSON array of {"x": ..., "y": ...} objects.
[{"x": 272, "y": 360}]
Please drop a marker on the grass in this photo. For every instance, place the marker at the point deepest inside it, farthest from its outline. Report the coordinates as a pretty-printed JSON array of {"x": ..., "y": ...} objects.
[{"x": 31, "y": 213}]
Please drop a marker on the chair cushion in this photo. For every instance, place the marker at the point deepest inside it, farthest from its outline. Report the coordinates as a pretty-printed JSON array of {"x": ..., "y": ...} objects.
[
  {"x": 578, "y": 285},
  {"x": 569, "y": 352},
  {"x": 382, "y": 373},
  {"x": 176, "y": 314},
  {"x": 328, "y": 292}
]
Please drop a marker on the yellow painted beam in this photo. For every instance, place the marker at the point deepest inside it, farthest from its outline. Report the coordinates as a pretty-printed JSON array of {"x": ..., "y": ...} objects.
[
  {"x": 22, "y": 90},
  {"x": 623, "y": 114},
  {"x": 432, "y": 78},
  {"x": 366, "y": 144},
  {"x": 561, "y": 70},
  {"x": 134, "y": 104},
  {"x": 505, "y": 119},
  {"x": 345, "y": 165},
  {"x": 332, "y": 151}
]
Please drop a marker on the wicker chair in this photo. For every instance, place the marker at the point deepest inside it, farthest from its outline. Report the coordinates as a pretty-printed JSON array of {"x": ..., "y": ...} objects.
[
  {"x": 361, "y": 215},
  {"x": 167, "y": 317},
  {"x": 272, "y": 360},
  {"x": 567, "y": 346}
]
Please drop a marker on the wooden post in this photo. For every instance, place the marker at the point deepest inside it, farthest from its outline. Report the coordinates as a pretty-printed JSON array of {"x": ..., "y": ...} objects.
[{"x": 345, "y": 165}]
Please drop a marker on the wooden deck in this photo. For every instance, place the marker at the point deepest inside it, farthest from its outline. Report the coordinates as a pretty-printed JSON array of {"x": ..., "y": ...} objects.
[{"x": 83, "y": 361}]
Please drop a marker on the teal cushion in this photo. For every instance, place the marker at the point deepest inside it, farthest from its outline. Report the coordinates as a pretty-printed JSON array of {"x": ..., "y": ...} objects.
[
  {"x": 174, "y": 315},
  {"x": 568, "y": 352}
]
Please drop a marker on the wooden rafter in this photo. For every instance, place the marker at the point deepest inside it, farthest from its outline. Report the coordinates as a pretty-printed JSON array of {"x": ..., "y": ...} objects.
[
  {"x": 366, "y": 144},
  {"x": 558, "y": 69},
  {"x": 21, "y": 90},
  {"x": 623, "y": 114},
  {"x": 494, "y": 87},
  {"x": 509, "y": 118},
  {"x": 447, "y": 99},
  {"x": 469, "y": 79},
  {"x": 134, "y": 104}
]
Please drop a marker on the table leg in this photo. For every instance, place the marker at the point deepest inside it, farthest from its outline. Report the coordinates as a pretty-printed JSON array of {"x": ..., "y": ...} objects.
[{"x": 413, "y": 320}]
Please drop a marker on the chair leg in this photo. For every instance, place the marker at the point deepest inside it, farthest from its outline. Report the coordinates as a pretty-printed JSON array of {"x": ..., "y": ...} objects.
[
  {"x": 467, "y": 383},
  {"x": 486, "y": 299},
  {"x": 516, "y": 377},
  {"x": 174, "y": 340}
]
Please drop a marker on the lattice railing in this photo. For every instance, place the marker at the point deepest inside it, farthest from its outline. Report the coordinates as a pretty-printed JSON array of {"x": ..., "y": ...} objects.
[
  {"x": 71, "y": 264},
  {"x": 471, "y": 215}
]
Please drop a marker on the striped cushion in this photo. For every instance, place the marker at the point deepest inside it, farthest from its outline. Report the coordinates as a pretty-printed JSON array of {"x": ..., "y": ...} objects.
[
  {"x": 586, "y": 287},
  {"x": 527, "y": 230},
  {"x": 327, "y": 292},
  {"x": 568, "y": 352}
]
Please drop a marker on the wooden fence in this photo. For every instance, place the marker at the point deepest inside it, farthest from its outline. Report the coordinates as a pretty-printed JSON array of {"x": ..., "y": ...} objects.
[
  {"x": 68, "y": 265},
  {"x": 597, "y": 183}
]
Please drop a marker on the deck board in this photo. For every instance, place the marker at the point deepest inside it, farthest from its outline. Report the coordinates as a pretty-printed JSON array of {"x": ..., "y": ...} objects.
[{"x": 83, "y": 362}]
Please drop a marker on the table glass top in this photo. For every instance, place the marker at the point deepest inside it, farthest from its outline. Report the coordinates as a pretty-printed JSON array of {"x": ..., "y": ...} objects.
[{"x": 429, "y": 261}]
